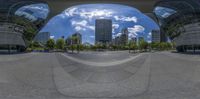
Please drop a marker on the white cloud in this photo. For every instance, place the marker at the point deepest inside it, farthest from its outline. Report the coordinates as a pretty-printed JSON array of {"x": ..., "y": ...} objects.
[
  {"x": 119, "y": 34},
  {"x": 70, "y": 11},
  {"x": 90, "y": 27},
  {"x": 78, "y": 28},
  {"x": 165, "y": 15},
  {"x": 133, "y": 31},
  {"x": 92, "y": 36},
  {"x": 82, "y": 25},
  {"x": 96, "y": 13},
  {"x": 79, "y": 23},
  {"x": 88, "y": 14},
  {"x": 149, "y": 36},
  {"x": 136, "y": 28},
  {"x": 149, "y": 33},
  {"x": 52, "y": 37},
  {"x": 126, "y": 19},
  {"x": 132, "y": 35},
  {"x": 38, "y": 7},
  {"x": 115, "y": 26}
]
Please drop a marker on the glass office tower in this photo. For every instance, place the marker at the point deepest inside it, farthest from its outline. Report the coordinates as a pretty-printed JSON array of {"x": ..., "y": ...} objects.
[{"x": 103, "y": 31}]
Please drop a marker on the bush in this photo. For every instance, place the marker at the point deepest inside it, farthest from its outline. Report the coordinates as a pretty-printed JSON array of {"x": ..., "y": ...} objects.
[
  {"x": 60, "y": 44},
  {"x": 50, "y": 44}
]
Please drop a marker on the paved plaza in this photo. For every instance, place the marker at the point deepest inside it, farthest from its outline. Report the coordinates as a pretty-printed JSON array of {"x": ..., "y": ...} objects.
[{"x": 100, "y": 75}]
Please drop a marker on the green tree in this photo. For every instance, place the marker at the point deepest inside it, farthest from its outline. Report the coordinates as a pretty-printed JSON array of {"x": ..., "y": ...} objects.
[
  {"x": 155, "y": 45},
  {"x": 143, "y": 45},
  {"x": 35, "y": 44},
  {"x": 50, "y": 44},
  {"x": 60, "y": 44},
  {"x": 132, "y": 46},
  {"x": 75, "y": 44}
]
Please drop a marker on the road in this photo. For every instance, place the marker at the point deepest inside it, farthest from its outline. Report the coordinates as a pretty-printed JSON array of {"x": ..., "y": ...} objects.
[{"x": 100, "y": 75}]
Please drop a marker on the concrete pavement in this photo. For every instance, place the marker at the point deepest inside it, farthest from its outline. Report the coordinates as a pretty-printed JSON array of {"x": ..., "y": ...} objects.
[
  {"x": 160, "y": 75},
  {"x": 121, "y": 80}
]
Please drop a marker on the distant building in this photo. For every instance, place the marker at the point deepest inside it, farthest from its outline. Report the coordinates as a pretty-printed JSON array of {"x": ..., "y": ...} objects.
[
  {"x": 121, "y": 39},
  {"x": 156, "y": 36},
  {"x": 70, "y": 41},
  {"x": 116, "y": 41},
  {"x": 124, "y": 36},
  {"x": 103, "y": 31},
  {"x": 42, "y": 37}
]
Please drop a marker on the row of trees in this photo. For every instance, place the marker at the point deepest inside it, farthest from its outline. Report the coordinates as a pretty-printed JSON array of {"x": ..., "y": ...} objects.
[{"x": 141, "y": 46}]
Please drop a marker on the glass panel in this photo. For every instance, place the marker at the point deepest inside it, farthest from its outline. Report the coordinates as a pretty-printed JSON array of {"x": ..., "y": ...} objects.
[{"x": 164, "y": 12}]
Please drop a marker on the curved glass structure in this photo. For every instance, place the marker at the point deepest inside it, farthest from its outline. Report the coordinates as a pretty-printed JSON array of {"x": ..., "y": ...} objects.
[
  {"x": 179, "y": 19},
  {"x": 20, "y": 21}
]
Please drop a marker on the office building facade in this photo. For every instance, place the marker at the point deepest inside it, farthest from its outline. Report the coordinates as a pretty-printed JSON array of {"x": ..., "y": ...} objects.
[
  {"x": 122, "y": 39},
  {"x": 124, "y": 36},
  {"x": 103, "y": 31}
]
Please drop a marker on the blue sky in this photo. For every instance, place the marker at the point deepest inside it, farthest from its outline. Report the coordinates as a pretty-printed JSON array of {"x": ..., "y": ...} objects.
[{"x": 81, "y": 18}]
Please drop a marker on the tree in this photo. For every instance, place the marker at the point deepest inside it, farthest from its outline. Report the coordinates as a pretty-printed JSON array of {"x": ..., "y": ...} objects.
[
  {"x": 155, "y": 45},
  {"x": 132, "y": 46},
  {"x": 75, "y": 40},
  {"x": 114, "y": 47},
  {"x": 34, "y": 45},
  {"x": 50, "y": 44},
  {"x": 60, "y": 44},
  {"x": 143, "y": 45}
]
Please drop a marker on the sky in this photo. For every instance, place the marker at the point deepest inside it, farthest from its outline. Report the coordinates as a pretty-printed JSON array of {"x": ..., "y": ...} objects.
[{"x": 81, "y": 18}]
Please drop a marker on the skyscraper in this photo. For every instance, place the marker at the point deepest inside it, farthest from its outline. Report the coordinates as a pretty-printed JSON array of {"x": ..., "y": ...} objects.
[
  {"x": 103, "y": 31},
  {"x": 124, "y": 36}
]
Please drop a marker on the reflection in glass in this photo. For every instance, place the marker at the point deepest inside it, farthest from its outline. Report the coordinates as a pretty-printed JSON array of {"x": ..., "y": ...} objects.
[
  {"x": 22, "y": 21},
  {"x": 163, "y": 12}
]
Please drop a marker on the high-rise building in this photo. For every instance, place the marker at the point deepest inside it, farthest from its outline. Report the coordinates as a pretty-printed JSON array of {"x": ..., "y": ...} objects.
[
  {"x": 156, "y": 36},
  {"x": 124, "y": 36},
  {"x": 121, "y": 39},
  {"x": 103, "y": 31},
  {"x": 116, "y": 40}
]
